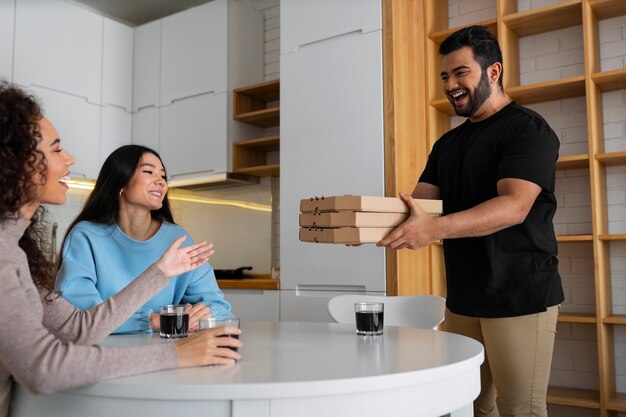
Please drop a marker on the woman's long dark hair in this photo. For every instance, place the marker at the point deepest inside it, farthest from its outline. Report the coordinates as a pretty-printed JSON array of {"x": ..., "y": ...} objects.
[
  {"x": 103, "y": 204},
  {"x": 19, "y": 162}
]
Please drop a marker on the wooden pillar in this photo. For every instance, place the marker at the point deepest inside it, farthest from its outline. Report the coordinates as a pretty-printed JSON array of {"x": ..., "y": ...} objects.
[{"x": 405, "y": 120}]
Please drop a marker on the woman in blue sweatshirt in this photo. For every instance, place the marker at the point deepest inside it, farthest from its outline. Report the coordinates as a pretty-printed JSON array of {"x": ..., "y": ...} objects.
[{"x": 125, "y": 225}]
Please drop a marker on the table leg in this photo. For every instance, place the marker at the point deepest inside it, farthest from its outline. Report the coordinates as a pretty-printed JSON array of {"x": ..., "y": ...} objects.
[{"x": 246, "y": 408}]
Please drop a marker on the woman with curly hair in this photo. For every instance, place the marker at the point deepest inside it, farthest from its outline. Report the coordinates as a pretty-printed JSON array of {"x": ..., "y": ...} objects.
[{"x": 46, "y": 344}]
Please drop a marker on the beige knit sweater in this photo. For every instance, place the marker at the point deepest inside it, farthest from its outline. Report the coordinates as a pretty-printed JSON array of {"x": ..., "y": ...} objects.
[{"x": 47, "y": 345}]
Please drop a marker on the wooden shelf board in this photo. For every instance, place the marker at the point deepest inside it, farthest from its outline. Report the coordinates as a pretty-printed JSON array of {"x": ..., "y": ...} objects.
[
  {"x": 261, "y": 118},
  {"x": 612, "y": 158},
  {"x": 267, "y": 144},
  {"x": 615, "y": 319},
  {"x": 257, "y": 282},
  {"x": 612, "y": 237},
  {"x": 574, "y": 397},
  {"x": 440, "y": 35},
  {"x": 266, "y": 91},
  {"x": 574, "y": 238},
  {"x": 443, "y": 105},
  {"x": 549, "y": 90},
  {"x": 260, "y": 171},
  {"x": 610, "y": 80},
  {"x": 573, "y": 162},
  {"x": 617, "y": 402},
  {"x": 608, "y": 8},
  {"x": 577, "y": 318},
  {"x": 545, "y": 19}
]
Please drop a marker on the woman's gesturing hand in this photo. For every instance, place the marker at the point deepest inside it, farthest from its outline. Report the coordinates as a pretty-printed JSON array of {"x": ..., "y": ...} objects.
[
  {"x": 208, "y": 348},
  {"x": 176, "y": 260}
]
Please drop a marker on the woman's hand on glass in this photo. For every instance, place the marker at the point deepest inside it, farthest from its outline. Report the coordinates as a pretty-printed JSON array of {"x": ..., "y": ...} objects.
[
  {"x": 209, "y": 347},
  {"x": 197, "y": 312}
]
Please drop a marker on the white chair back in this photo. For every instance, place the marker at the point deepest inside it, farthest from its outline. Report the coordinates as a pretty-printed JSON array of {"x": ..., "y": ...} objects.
[{"x": 423, "y": 311}]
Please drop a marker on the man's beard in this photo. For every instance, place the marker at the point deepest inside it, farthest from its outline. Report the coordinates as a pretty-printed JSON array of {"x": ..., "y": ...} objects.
[{"x": 481, "y": 93}]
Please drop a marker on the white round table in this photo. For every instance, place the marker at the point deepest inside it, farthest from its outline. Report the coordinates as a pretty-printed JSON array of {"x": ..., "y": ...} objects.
[{"x": 291, "y": 370}]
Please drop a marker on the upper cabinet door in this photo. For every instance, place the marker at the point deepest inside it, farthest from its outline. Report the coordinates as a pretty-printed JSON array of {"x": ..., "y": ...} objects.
[
  {"x": 147, "y": 66},
  {"x": 7, "y": 17},
  {"x": 193, "y": 135},
  {"x": 59, "y": 46},
  {"x": 194, "y": 52},
  {"x": 117, "y": 65},
  {"x": 305, "y": 21},
  {"x": 78, "y": 125},
  {"x": 115, "y": 130}
]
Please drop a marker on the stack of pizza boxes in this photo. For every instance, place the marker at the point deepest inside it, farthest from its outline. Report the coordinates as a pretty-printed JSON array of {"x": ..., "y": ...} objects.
[{"x": 354, "y": 219}]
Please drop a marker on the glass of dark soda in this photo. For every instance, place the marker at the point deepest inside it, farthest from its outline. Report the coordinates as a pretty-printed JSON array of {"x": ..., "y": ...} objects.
[
  {"x": 211, "y": 322},
  {"x": 174, "y": 321},
  {"x": 369, "y": 318}
]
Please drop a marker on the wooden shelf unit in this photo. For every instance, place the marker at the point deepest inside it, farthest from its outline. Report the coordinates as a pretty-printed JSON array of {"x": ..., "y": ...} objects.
[
  {"x": 257, "y": 105},
  {"x": 509, "y": 26},
  {"x": 250, "y": 156}
]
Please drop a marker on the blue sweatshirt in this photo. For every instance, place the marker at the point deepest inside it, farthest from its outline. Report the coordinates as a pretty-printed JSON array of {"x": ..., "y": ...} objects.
[{"x": 99, "y": 260}]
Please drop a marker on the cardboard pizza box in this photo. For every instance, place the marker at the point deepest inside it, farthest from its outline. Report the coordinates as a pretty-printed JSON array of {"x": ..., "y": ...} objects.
[
  {"x": 344, "y": 234},
  {"x": 351, "y": 219},
  {"x": 366, "y": 203}
]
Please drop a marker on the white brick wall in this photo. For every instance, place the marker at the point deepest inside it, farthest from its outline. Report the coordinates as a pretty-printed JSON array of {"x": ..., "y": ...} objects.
[
  {"x": 576, "y": 268},
  {"x": 568, "y": 119},
  {"x": 466, "y": 12},
  {"x": 551, "y": 56},
  {"x": 271, "y": 24},
  {"x": 619, "y": 334},
  {"x": 614, "y": 117},
  {"x": 525, "y": 5},
  {"x": 575, "y": 359},
  {"x": 612, "y": 43},
  {"x": 573, "y": 215}
]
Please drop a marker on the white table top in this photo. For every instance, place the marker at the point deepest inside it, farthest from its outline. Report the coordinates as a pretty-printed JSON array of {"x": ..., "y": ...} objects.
[{"x": 283, "y": 360}]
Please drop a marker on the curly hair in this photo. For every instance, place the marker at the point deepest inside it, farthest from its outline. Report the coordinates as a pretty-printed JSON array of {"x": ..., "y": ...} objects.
[{"x": 20, "y": 161}]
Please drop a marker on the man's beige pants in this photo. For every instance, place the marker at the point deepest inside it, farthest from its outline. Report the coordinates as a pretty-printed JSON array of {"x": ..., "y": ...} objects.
[{"x": 518, "y": 355}]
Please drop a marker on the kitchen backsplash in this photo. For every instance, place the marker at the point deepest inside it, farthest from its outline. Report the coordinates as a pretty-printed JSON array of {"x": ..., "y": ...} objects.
[{"x": 242, "y": 237}]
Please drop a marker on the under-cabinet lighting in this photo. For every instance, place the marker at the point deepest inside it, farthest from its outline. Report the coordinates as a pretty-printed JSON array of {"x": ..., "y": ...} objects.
[
  {"x": 80, "y": 184},
  {"x": 177, "y": 196},
  {"x": 207, "y": 200}
]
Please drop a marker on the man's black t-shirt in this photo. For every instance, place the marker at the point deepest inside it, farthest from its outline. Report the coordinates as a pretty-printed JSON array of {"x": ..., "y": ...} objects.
[{"x": 512, "y": 272}]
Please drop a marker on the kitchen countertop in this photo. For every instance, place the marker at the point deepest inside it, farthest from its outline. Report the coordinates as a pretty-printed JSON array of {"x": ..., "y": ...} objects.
[{"x": 251, "y": 281}]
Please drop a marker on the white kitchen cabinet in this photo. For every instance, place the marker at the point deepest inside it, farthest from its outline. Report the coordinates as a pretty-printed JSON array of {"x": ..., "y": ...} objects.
[
  {"x": 193, "y": 135},
  {"x": 311, "y": 305},
  {"x": 147, "y": 66},
  {"x": 254, "y": 305},
  {"x": 117, "y": 65},
  {"x": 116, "y": 130},
  {"x": 339, "y": 151},
  {"x": 7, "y": 18},
  {"x": 194, "y": 57},
  {"x": 146, "y": 128},
  {"x": 58, "y": 45},
  {"x": 78, "y": 125},
  {"x": 304, "y": 21},
  {"x": 193, "y": 60}
]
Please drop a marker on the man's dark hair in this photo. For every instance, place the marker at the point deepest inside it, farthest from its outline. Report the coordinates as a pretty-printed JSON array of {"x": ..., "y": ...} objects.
[{"x": 483, "y": 43}]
